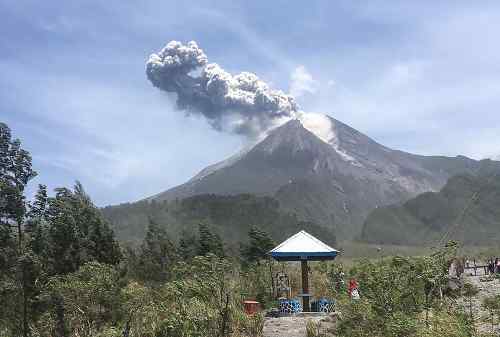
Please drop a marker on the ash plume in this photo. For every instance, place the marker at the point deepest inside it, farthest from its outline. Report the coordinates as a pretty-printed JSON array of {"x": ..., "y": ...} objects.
[{"x": 241, "y": 104}]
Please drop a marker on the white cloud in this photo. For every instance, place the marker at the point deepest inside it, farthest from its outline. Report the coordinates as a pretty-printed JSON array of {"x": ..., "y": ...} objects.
[{"x": 302, "y": 82}]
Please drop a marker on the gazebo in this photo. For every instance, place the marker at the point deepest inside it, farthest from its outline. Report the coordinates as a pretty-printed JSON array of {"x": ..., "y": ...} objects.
[{"x": 303, "y": 247}]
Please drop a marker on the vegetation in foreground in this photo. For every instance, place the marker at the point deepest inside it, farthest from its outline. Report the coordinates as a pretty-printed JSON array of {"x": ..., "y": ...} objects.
[{"x": 63, "y": 273}]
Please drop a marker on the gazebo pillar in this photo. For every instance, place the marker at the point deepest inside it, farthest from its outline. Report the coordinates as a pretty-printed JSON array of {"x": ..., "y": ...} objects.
[{"x": 305, "y": 286}]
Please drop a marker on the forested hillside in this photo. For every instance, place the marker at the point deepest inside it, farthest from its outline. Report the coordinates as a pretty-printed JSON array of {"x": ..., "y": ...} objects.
[
  {"x": 466, "y": 209},
  {"x": 230, "y": 216}
]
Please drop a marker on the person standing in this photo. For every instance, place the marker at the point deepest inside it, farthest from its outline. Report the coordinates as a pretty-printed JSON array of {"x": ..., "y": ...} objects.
[
  {"x": 491, "y": 267},
  {"x": 353, "y": 289}
]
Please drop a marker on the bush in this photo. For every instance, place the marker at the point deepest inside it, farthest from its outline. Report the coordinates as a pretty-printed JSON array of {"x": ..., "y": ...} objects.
[{"x": 249, "y": 325}]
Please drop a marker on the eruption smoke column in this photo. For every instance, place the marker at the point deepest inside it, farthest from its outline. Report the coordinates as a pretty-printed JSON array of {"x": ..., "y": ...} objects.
[{"x": 242, "y": 104}]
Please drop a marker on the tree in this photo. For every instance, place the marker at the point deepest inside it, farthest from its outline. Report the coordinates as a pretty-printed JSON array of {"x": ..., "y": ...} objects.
[
  {"x": 99, "y": 239},
  {"x": 157, "y": 255},
  {"x": 90, "y": 298},
  {"x": 15, "y": 173},
  {"x": 38, "y": 208},
  {"x": 203, "y": 285},
  {"x": 209, "y": 242},
  {"x": 469, "y": 291},
  {"x": 77, "y": 233},
  {"x": 187, "y": 245},
  {"x": 260, "y": 243},
  {"x": 46, "y": 237},
  {"x": 36, "y": 224}
]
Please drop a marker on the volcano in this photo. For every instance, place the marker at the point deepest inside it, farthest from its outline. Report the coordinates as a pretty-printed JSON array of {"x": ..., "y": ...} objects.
[{"x": 322, "y": 170}]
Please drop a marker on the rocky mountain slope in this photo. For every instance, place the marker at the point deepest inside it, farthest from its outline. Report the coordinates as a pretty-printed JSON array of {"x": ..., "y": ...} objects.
[
  {"x": 325, "y": 171},
  {"x": 466, "y": 209}
]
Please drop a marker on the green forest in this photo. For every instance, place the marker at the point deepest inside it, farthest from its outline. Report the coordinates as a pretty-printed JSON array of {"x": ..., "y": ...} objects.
[
  {"x": 232, "y": 215},
  {"x": 64, "y": 273},
  {"x": 465, "y": 209}
]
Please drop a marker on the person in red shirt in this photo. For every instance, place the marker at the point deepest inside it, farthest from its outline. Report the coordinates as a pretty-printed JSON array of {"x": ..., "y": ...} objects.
[{"x": 353, "y": 285}]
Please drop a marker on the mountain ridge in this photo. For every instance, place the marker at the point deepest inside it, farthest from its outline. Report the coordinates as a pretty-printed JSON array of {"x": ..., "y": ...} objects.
[
  {"x": 331, "y": 174},
  {"x": 465, "y": 209},
  {"x": 324, "y": 171}
]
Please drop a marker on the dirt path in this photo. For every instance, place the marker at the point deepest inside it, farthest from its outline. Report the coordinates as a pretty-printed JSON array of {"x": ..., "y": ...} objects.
[
  {"x": 294, "y": 326},
  {"x": 486, "y": 289}
]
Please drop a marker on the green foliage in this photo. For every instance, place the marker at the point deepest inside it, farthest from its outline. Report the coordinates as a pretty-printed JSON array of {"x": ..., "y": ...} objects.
[
  {"x": 233, "y": 215},
  {"x": 313, "y": 329},
  {"x": 336, "y": 280},
  {"x": 157, "y": 255},
  {"x": 209, "y": 242},
  {"x": 188, "y": 245},
  {"x": 256, "y": 283},
  {"x": 15, "y": 173},
  {"x": 390, "y": 286},
  {"x": 49, "y": 236},
  {"x": 256, "y": 277},
  {"x": 250, "y": 325},
  {"x": 17, "y": 267},
  {"x": 200, "y": 300},
  {"x": 465, "y": 209},
  {"x": 260, "y": 243},
  {"x": 396, "y": 294},
  {"x": 89, "y": 296},
  {"x": 38, "y": 207},
  {"x": 448, "y": 323},
  {"x": 492, "y": 305},
  {"x": 73, "y": 232}
]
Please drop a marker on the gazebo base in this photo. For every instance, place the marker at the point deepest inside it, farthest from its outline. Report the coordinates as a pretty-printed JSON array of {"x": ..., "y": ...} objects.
[{"x": 310, "y": 314}]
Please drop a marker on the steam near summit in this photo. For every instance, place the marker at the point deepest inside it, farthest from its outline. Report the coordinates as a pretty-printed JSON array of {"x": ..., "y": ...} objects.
[{"x": 241, "y": 103}]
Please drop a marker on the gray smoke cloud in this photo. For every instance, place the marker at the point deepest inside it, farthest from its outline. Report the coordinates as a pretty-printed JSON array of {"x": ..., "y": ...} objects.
[{"x": 242, "y": 104}]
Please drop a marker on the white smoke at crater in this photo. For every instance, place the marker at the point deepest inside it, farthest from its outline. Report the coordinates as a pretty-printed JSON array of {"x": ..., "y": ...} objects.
[
  {"x": 241, "y": 104},
  {"x": 318, "y": 124}
]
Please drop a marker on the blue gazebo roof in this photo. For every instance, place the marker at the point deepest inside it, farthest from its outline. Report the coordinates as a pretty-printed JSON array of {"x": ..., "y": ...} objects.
[{"x": 303, "y": 246}]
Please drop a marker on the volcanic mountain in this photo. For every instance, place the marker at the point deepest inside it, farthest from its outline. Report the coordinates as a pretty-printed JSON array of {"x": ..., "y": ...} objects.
[{"x": 324, "y": 171}]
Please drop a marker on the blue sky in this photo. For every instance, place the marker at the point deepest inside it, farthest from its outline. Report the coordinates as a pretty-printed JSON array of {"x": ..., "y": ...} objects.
[{"x": 421, "y": 76}]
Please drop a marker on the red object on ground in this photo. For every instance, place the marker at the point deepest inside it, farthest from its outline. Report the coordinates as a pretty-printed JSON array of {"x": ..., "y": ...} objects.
[
  {"x": 251, "y": 307},
  {"x": 353, "y": 284}
]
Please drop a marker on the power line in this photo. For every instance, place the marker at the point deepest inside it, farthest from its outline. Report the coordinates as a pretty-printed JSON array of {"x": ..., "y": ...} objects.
[{"x": 475, "y": 196}]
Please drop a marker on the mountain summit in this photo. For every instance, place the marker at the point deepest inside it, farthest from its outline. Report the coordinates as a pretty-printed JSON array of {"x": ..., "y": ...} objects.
[{"x": 325, "y": 171}]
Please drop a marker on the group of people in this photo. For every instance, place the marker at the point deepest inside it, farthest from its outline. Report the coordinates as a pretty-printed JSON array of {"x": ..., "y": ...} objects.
[{"x": 494, "y": 266}]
